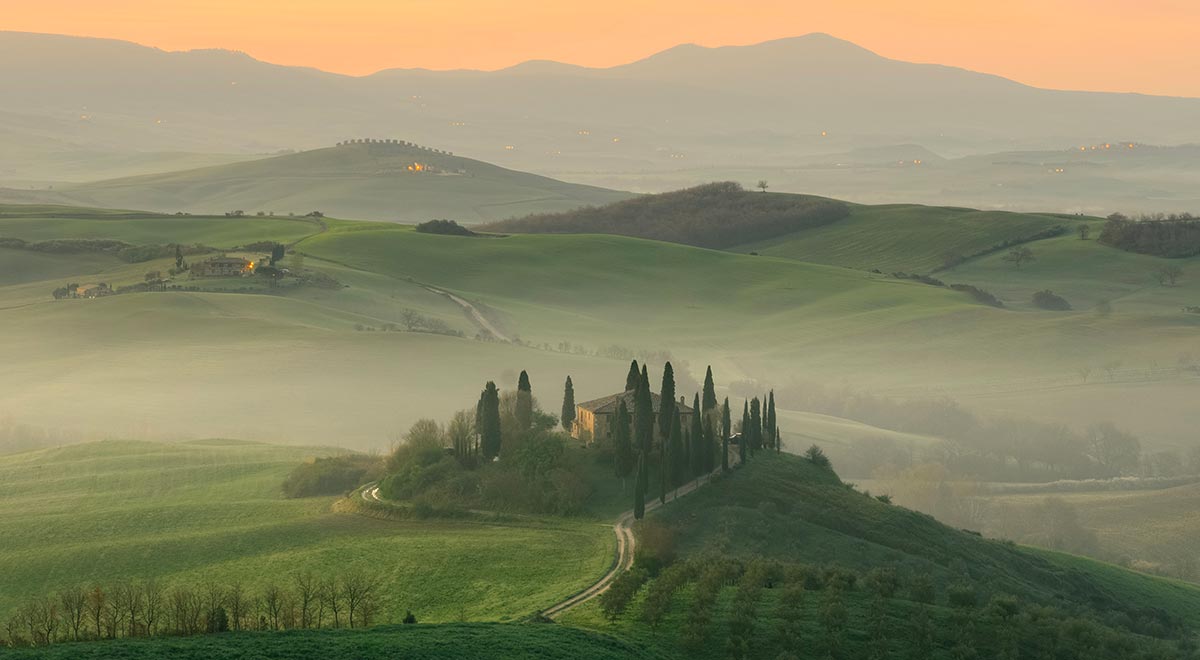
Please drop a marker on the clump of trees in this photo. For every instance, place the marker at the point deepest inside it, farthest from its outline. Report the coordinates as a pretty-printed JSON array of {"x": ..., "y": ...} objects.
[
  {"x": 444, "y": 227},
  {"x": 1173, "y": 236},
  {"x": 127, "y": 609},
  {"x": 715, "y": 215},
  {"x": 1050, "y": 301}
]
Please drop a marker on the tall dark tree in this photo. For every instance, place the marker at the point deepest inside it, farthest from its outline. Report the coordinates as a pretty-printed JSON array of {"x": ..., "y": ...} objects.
[
  {"x": 624, "y": 456},
  {"x": 676, "y": 457},
  {"x": 524, "y": 407},
  {"x": 725, "y": 437},
  {"x": 770, "y": 423},
  {"x": 178, "y": 257},
  {"x": 639, "y": 490},
  {"x": 697, "y": 437},
  {"x": 666, "y": 406},
  {"x": 755, "y": 425},
  {"x": 778, "y": 441},
  {"x": 568, "y": 407},
  {"x": 489, "y": 421},
  {"x": 277, "y": 252},
  {"x": 633, "y": 377},
  {"x": 726, "y": 419},
  {"x": 710, "y": 445},
  {"x": 745, "y": 434},
  {"x": 709, "y": 402},
  {"x": 643, "y": 416}
]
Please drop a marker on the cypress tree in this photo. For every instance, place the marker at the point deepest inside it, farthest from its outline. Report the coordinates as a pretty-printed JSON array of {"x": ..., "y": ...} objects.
[
  {"x": 770, "y": 423},
  {"x": 623, "y": 454},
  {"x": 666, "y": 408},
  {"x": 489, "y": 428},
  {"x": 697, "y": 437},
  {"x": 643, "y": 416},
  {"x": 710, "y": 392},
  {"x": 709, "y": 446},
  {"x": 778, "y": 441},
  {"x": 524, "y": 408},
  {"x": 633, "y": 377},
  {"x": 755, "y": 425},
  {"x": 726, "y": 430},
  {"x": 677, "y": 457},
  {"x": 568, "y": 408},
  {"x": 639, "y": 489},
  {"x": 745, "y": 439}
]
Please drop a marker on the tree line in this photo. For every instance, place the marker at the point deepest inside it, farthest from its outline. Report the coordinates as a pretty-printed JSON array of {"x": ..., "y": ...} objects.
[
  {"x": 1173, "y": 236},
  {"x": 148, "y": 608}
]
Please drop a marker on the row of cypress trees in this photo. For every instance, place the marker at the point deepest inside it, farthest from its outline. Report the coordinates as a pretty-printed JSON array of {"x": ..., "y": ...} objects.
[{"x": 681, "y": 454}]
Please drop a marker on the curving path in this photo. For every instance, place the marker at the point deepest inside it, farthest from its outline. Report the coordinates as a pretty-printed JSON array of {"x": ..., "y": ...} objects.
[
  {"x": 474, "y": 313},
  {"x": 626, "y": 543}
]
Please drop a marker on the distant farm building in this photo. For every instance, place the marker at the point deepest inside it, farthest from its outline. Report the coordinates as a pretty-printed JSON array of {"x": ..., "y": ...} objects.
[
  {"x": 594, "y": 419},
  {"x": 93, "y": 291},
  {"x": 222, "y": 267}
]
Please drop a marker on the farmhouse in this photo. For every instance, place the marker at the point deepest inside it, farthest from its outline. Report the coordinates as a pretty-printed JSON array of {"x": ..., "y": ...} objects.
[
  {"x": 593, "y": 419},
  {"x": 222, "y": 267},
  {"x": 93, "y": 290}
]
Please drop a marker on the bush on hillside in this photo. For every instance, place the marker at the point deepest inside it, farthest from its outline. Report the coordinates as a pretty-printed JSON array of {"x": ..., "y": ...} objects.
[
  {"x": 978, "y": 294},
  {"x": 715, "y": 215},
  {"x": 1051, "y": 301},
  {"x": 445, "y": 227},
  {"x": 331, "y": 476}
]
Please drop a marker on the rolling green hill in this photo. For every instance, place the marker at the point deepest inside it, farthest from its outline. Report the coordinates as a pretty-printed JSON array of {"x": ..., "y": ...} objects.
[
  {"x": 892, "y": 237},
  {"x": 185, "y": 513},
  {"x": 783, "y": 509},
  {"x": 906, "y": 237},
  {"x": 370, "y": 181}
]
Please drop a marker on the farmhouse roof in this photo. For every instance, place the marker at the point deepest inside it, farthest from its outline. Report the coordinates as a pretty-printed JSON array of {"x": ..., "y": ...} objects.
[{"x": 609, "y": 404}]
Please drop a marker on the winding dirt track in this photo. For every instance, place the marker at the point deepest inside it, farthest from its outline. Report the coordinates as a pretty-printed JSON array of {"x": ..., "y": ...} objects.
[
  {"x": 475, "y": 314},
  {"x": 626, "y": 545}
]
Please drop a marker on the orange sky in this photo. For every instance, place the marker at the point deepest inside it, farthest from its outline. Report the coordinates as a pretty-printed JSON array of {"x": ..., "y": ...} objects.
[{"x": 1115, "y": 45}]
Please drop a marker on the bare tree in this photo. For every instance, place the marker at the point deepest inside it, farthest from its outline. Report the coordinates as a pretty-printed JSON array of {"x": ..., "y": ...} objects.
[
  {"x": 97, "y": 603},
  {"x": 74, "y": 610},
  {"x": 762, "y": 185},
  {"x": 306, "y": 594},
  {"x": 239, "y": 607},
  {"x": 331, "y": 590},
  {"x": 1085, "y": 230},
  {"x": 272, "y": 605},
  {"x": 214, "y": 607},
  {"x": 359, "y": 588},
  {"x": 153, "y": 602}
]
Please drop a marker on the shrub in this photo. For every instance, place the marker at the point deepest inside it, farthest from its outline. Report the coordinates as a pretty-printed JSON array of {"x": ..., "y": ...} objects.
[
  {"x": 817, "y": 457},
  {"x": 1051, "y": 301},
  {"x": 330, "y": 476},
  {"x": 978, "y": 294}
]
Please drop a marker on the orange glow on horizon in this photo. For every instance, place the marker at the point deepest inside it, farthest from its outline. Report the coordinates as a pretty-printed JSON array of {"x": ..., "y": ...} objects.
[{"x": 1112, "y": 45}]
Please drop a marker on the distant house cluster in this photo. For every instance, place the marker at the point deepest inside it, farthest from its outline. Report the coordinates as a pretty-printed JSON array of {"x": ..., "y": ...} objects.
[
  {"x": 398, "y": 143},
  {"x": 93, "y": 290},
  {"x": 223, "y": 267}
]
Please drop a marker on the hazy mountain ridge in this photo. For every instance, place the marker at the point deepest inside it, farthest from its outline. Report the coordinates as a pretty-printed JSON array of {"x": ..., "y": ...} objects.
[{"x": 687, "y": 106}]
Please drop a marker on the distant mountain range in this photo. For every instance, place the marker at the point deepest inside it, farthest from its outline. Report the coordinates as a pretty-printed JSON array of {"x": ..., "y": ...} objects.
[{"x": 689, "y": 106}]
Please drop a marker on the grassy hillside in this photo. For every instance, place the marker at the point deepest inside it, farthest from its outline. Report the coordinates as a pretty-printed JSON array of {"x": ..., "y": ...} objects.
[
  {"x": 716, "y": 215},
  {"x": 784, "y": 509},
  {"x": 184, "y": 513},
  {"x": 905, "y": 237},
  {"x": 370, "y": 181}
]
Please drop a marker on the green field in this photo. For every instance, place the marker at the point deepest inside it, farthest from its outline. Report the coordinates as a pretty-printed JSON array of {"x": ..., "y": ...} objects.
[
  {"x": 150, "y": 229},
  {"x": 904, "y": 237},
  {"x": 183, "y": 513}
]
